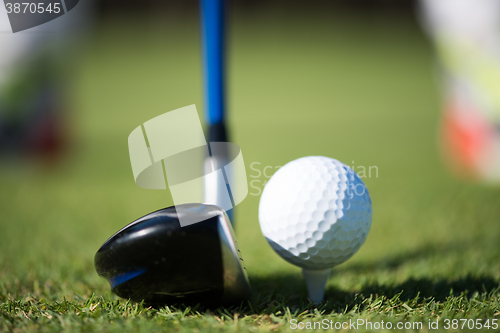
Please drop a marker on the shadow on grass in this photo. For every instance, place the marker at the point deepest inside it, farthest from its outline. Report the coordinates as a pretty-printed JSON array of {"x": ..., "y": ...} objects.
[
  {"x": 273, "y": 293},
  {"x": 288, "y": 290},
  {"x": 293, "y": 287},
  {"x": 282, "y": 291}
]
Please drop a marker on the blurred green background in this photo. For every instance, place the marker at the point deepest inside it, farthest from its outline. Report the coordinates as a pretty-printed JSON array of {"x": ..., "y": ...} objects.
[{"x": 356, "y": 83}]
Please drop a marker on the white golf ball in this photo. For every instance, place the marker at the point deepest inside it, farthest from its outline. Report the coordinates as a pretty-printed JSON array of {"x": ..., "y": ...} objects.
[{"x": 315, "y": 212}]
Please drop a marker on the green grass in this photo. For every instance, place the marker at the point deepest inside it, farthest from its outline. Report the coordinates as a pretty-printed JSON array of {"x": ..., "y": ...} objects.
[{"x": 359, "y": 89}]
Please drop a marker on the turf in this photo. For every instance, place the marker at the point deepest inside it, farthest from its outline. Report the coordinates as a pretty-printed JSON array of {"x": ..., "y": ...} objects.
[{"x": 357, "y": 88}]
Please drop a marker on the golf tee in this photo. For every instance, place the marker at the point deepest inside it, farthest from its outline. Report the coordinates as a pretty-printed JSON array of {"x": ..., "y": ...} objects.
[{"x": 316, "y": 283}]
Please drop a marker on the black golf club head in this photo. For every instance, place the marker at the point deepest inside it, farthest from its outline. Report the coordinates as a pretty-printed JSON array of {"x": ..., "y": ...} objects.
[{"x": 155, "y": 260}]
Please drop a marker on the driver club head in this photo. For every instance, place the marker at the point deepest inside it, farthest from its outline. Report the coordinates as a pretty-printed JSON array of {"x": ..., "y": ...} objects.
[{"x": 155, "y": 260}]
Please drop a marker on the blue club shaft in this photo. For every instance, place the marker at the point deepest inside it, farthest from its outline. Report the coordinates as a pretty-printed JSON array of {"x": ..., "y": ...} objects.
[
  {"x": 213, "y": 45},
  {"x": 213, "y": 27}
]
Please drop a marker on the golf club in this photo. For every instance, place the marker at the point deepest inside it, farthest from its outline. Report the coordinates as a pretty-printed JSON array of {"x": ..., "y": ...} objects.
[
  {"x": 156, "y": 260},
  {"x": 213, "y": 44}
]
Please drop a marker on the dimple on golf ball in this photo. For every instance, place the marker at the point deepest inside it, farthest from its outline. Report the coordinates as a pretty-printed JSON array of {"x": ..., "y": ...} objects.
[{"x": 315, "y": 212}]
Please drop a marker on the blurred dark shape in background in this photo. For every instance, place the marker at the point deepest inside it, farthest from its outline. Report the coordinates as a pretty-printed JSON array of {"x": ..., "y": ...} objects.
[
  {"x": 35, "y": 70},
  {"x": 31, "y": 113},
  {"x": 106, "y": 7}
]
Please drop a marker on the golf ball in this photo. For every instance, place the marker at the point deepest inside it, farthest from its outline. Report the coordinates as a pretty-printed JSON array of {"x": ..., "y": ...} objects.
[{"x": 315, "y": 212}]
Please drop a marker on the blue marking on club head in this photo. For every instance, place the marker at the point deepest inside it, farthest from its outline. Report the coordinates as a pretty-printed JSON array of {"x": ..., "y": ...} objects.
[{"x": 124, "y": 277}]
